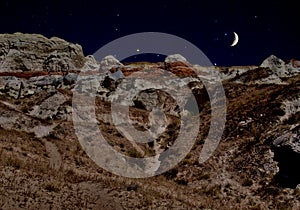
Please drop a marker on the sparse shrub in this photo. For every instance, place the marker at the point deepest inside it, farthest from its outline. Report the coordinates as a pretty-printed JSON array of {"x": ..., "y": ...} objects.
[
  {"x": 297, "y": 191},
  {"x": 188, "y": 156},
  {"x": 200, "y": 141},
  {"x": 134, "y": 153},
  {"x": 12, "y": 162},
  {"x": 173, "y": 126},
  {"x": 293, "y": 119},
  {"x": 272, "y": 190},
  {"x": 52, "y": 187},
  {"x": 79, "y": 161},
  {"x": 40, "y": 167},
  {"x": 256, "y": 207},
  {"x": 171, "y": 174},
  {"x": 214, "y": 190},
  {"x": 256, "y": 131},
  {"x": 52, "y": 135},
  {"x": 185, "y": 162},
  {"x": 247, "y": 182},
  {"x": 204, "y": 176},
  {"x": 181, "y": 181},
  {"x": 132, "y": 187},
  {"x": 71, "y": 176}
]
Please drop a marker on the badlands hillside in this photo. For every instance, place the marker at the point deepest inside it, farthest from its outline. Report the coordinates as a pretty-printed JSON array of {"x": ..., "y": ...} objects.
[{"x": 44, "y": 165}]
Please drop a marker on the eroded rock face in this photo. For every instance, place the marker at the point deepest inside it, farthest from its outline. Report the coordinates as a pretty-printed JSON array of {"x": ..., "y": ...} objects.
[
  {"x": 33, "y": 52},
  {"x": 287, "y": 153},
  {"x": 151, "y": 99},
  {"x": 42, "y": 103},
  {"x": 179, "y": 66},
  {"x": 12, "y": 86},
  {"x": 278, "y": 67}
]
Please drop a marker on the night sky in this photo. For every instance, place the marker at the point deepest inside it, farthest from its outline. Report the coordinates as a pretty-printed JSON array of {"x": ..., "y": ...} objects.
[{"x": 264, "y": 27}]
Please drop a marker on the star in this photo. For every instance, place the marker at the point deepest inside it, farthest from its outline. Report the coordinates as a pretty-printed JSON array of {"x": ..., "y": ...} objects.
[
  {"x": 118, "y": 15},
  {"x": 138, "y": 50},
  {"x": 225, "y": 34}
]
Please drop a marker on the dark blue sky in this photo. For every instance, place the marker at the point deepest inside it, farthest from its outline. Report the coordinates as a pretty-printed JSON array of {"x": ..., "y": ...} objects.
[{"x": 264, "y": 27}]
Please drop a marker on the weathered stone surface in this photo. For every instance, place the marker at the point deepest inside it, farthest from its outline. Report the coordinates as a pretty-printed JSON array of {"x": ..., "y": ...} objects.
[
  {"x": 108, "y": 63},
  {"x": 279, "y": 67},
  {"x": 49, "y": 108},
  {"x": 151, "y": 99},
  {"x": 175, "y": 58},
  {"x": 12, "y": 86},
  {"x": 70, "y": 79},
  {"x": 242, "y": 166},
  {"x": 41, "y": 81},
  {"x": 33, "y": 52},
  {"x": 90, "y": 65},
  {"x": 179, "y": 66}
]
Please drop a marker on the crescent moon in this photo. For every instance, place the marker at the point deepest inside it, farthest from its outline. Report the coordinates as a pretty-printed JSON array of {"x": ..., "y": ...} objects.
[{"x": 236, "y": 40}]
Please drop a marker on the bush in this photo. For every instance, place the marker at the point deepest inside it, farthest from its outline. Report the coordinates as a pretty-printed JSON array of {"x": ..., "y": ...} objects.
[
  {"x": 134, "y": 153},
  {"x": 171, "y": 174},
  {"x": 52, "y": 187},
  {"x": 12, "y": 162}
]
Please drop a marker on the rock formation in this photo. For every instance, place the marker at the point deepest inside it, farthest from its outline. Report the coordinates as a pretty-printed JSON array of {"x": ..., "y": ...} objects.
[
  {"x": 33, "y": 52},
  {"x": 255, "y": 165}
]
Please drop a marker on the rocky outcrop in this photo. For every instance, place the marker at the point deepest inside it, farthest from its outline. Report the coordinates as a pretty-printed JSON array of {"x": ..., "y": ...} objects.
[
  {"x": 287, "y": 153},
  {"x": 70, "y": 79},
  {"x": 279, "y": 67},
  {"x": 37, "y": 110},
  {"x": 175, "y": 58},
  {"x": 151, "y": 98},
  {"x": 179, "y": 66},
  {"x": 33, "y": 52},
  {"x": 291, "y": 109},
  {"x": 11, "y": 86},
  {"x": 108, "y": 63},
  {"x": 51, "y": 108}
]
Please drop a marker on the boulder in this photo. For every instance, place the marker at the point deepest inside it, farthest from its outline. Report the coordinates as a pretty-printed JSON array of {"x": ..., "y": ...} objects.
[
  {"x": 70, "y": 79},
  {"x": 175, "y": 58},
  {"x": 108, "y": 63},
  {"x": 32, "y": 52},
  {"x": 117, "y": 75}
]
